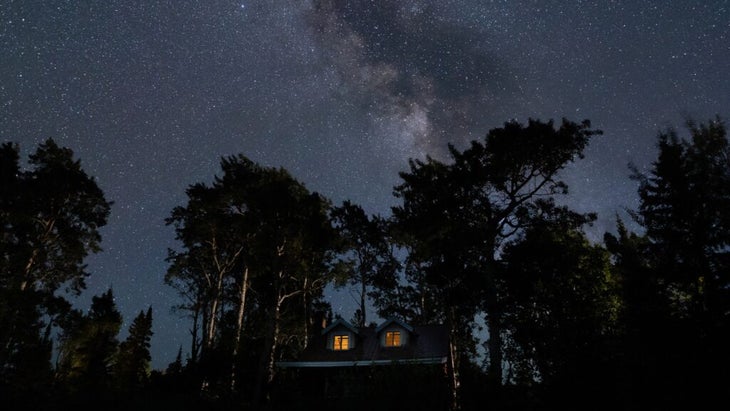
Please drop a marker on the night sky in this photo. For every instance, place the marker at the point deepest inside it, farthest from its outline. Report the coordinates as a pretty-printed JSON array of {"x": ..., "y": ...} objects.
[{"x": 150, "y": 95}]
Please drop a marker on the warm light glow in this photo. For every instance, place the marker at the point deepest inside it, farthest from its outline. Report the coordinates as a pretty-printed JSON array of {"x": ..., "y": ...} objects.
[
  {"x": 341, "y": 342},
  {"x": 392, "y": 339}
]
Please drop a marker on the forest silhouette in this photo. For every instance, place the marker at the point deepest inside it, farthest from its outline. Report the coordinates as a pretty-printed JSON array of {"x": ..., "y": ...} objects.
[{"x": 538, "y": 315}]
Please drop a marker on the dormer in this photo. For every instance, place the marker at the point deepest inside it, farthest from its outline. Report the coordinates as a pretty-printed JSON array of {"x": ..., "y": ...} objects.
[
  {"x": 340, "y": 336},
  {"x": 394, "y": 333}
]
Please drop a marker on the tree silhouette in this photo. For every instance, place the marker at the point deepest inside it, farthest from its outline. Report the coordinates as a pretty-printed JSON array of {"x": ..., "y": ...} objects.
[
  {"x": 562, "y": 306},
  {"x": 367, "y": 258},
  {"x": 680, "y": 283},
  {"x": 132, "y": 364},
  {"x": 685, "y": 208},
  {"x": 257, "y": 245},
  {"x": 89, "y": 346},
  {"x": 49, "y": 221},
  {"x": 455, "y": 217}
]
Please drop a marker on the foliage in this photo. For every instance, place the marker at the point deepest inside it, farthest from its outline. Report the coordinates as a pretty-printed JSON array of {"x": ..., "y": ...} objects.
[
  {"x": 675, "y": 276},
  {"x": 50, "y": 217},
  {"x": 685, "y": 209},
  {"x": 132, "y": 363},
  {"x": 638, "y": 322},
  {"x": 561, "y": 304},
  {"x": 89, "y": 346},
  {"x": 257, "y": 246},
  {"x": 455, "y": 217},
  {"x": 367, "y": 259}
]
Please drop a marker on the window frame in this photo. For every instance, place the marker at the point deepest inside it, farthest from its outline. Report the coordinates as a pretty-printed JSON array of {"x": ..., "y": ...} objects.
[
  {"x": 341, "y": 338},
  {"x": 392, "y": 337}
]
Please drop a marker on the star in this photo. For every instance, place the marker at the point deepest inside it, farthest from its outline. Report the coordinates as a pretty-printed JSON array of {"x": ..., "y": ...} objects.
[{"x": 341, "y": 94}]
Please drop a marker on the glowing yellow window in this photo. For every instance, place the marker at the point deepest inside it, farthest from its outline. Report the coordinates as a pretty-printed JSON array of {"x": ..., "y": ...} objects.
[
  {"x": 341, "y": 342},
  {"x": 392, "y": 339}
]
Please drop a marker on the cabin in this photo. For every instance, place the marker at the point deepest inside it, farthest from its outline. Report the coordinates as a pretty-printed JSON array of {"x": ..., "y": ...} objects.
[{"x": 393, "y": 365}]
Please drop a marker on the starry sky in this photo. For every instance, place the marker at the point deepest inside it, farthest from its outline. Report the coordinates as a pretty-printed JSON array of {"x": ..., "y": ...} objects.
[{"x": 150, "y": 95}]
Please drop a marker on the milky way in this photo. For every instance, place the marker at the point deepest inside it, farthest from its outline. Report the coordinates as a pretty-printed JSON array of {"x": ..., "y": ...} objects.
[{"x": 341, "y": 93}]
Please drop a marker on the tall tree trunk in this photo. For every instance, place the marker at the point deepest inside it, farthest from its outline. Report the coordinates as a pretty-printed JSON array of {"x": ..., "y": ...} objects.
[
  {"x": 266, "y": 363},
  {"x": 214, "y": 308},
  {"x": 28, "y": 268},
  {"x": 307, "y": 319},
  {"x": 363, "y": 292},
  {"x": 494, "y": 318},
  {"x": 48, "y": 226},
  {"x": 205, "y": 319},
  {"x": 453, "y": 364},
  {"x": 239, "y": 327},
  {"x": 494, "y": 344},
  {"x": 194, "y": 347},
  {"x": 209, "y": 335},
  {"x": 270, "y": 369}
]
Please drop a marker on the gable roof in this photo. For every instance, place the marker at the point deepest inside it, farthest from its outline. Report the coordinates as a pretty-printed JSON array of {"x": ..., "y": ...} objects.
[
  {"x": 388, "y": 322},
  {"x": 429, "y": 344},
  {"x": 343, "y": 323}
]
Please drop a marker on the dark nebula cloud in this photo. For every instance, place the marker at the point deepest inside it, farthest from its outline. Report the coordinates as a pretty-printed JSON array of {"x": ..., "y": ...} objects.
[{"x": 424, "y": 77}]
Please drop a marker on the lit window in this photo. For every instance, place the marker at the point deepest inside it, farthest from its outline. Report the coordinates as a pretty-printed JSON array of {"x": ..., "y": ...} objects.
[
  {"x": 341, "y": 342},
  {"x": 392, "y": 339}
]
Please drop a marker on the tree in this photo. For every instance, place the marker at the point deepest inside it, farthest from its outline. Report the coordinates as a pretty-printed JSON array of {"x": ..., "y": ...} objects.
[
  {"x": 649, "y": 341},
  {"x": 52, "y": 220},
  {"x": 293, "y": 249},
  {"x": 209, "y": 230},
  {"x": 443, "y": 281},
  {"x": 561, "y": 307},
  {"x": 132, "y": 364},
  {"x": 254, "y": 229},
  {"x": 367, "y": 257},
  {"x": 49, "y": 221},
  {"x": 455, "y": 217},
  {"x": 217, "y": 229},
  {"x": 175, "y": 367},
  {"x": 684, "y": 273},
  {"x": 685, "y": 209},
  {"x": 89, "y": 346}
]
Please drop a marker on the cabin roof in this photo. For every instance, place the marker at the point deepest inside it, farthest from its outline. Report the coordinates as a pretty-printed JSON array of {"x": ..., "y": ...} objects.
[
  {"x": 388, "y": 322},
  {"x": 427, "y": 344},
  {"x": 340, "y": 322}
]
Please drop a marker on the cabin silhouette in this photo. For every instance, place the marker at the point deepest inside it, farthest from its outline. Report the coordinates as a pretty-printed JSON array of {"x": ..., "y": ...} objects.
[{"x": 392, "y": 365}]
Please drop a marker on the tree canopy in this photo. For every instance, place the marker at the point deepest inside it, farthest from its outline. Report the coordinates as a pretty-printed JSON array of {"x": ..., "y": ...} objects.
[
  {"x": 50, "y": 217},
  {"x": 539, "y": 314},
  {"x": 455, "y": 217},
  {"x": 255, "y": 238}
]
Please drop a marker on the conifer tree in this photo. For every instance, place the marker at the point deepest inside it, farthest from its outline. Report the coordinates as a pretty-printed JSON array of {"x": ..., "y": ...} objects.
[
  {"x": 679, "y": 299},
  {"x": 89, "y": 346},
  {"x": 175, "y": 367},
  {"x": 133, "y": 359}
]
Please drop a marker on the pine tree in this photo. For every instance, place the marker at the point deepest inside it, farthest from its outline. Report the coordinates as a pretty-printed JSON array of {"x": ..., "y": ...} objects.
[
  {"x": 89, "y": 345},
  {"x": 681, "y": 320},
  {"x": 133, "y": 360},
  {"x": 685, "y": 208},
  {"x": 175, "y": 367}
]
